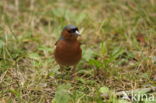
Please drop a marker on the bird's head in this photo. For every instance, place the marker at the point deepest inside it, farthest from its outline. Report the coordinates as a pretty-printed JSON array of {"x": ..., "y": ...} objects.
[{"x": 70, "y": 32}]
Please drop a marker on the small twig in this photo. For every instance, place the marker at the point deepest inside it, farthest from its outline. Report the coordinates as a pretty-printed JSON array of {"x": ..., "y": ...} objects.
[
  {"x": 17, "y": 5},
  {"x": 2, "y": 76}
]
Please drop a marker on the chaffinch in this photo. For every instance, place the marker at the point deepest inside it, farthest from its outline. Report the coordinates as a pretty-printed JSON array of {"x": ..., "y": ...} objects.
[{"x": 68, "y": 51}]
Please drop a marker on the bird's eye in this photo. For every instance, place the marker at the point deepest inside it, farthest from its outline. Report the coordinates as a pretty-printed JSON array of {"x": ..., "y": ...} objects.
[{"x": 73, "y": 30}]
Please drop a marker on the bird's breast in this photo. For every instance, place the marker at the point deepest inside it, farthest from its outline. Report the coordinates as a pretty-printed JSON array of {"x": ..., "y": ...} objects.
[{"x": 68, "y": 53}]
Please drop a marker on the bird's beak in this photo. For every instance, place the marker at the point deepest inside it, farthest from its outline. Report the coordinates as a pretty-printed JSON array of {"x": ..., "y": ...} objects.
[{"x": 77, "y": 32}]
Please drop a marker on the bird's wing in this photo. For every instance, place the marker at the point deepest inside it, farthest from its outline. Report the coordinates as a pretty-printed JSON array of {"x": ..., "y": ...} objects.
[
  {"x": 56, "y": 42},
  {"x": 61, "y": 38}
]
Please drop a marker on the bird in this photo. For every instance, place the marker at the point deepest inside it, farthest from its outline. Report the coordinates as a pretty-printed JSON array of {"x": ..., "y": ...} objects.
[{"x": 68, "y": 50}]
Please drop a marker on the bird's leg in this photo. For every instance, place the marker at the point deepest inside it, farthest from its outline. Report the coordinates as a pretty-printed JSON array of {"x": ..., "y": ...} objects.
[
  {"x": 74, "y": 71},
  {"x": 62, "y": 71},
  {"x": 61, "y": 68}
]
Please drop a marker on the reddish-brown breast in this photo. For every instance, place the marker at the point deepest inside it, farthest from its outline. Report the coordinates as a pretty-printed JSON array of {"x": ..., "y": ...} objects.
[{"x": 67, "y": 53}]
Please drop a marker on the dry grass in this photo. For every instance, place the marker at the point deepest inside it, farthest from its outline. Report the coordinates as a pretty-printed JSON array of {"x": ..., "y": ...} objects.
[{"x": 118, "y": 42}]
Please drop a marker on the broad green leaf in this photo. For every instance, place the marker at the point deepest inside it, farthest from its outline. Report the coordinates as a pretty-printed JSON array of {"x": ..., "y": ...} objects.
[
  {"x": 62, "y": 94},
  {"x": 104, "y": 90}
]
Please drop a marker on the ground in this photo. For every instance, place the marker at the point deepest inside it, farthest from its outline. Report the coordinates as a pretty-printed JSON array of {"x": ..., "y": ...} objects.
[{"x": 118, "y": 41}]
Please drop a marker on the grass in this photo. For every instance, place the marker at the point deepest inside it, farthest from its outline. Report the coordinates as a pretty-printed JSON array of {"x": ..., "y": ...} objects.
[{"x": 118, "y": 42}]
